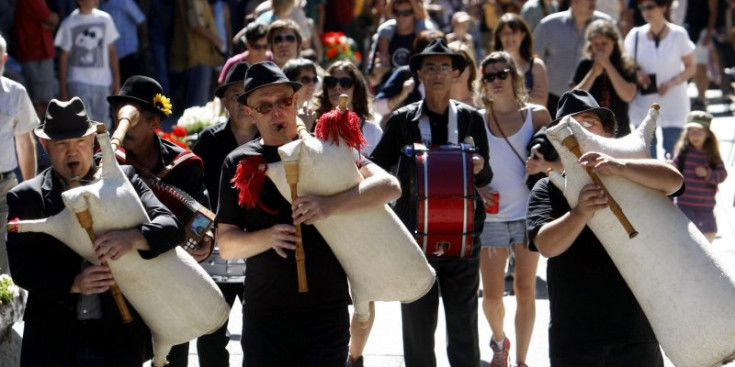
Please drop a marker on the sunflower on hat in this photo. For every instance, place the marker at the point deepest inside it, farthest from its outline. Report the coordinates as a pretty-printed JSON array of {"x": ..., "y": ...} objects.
[{"x": 163, "y": 103}]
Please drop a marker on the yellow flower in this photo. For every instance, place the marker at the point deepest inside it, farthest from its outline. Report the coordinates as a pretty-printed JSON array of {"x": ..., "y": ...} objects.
[{"x": 162, "y": 103}]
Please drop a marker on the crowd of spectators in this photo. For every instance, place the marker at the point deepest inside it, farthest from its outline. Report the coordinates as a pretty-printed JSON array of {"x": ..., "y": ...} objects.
[{"x": 626, "y": 53}]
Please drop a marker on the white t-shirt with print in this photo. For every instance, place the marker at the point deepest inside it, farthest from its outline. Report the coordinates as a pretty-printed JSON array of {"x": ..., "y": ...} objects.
[{"x": 86, "y": 38}]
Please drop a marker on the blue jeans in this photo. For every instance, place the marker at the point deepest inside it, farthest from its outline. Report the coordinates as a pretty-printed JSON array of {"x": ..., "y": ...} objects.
[
  {"x": 95, "y": 100},
  {"x": 670, "y": 137}
]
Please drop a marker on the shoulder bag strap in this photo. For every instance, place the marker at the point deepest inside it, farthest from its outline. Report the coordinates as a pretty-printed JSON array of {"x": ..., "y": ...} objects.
[{"x": 502, "y": 133}]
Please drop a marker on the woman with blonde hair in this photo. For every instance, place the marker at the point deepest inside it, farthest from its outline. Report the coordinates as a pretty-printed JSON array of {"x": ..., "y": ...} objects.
[
  {"x": 513, "y": 35},
  {"x": 607, "y": 72},
  {"x": 511, "y": 122},
  {"x": 463, "y": 89}
]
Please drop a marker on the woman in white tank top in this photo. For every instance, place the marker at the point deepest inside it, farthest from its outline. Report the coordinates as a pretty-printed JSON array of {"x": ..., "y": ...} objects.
[{"x": 510, "y": 123}]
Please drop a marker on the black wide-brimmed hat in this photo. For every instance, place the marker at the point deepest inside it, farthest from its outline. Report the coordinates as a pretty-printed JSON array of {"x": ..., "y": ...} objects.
[
  {"x": 145, "y": 91},
  {"x": 577, "y": 101},
  {"x": 264, "y": 74},
  {"x": 437, "y": 47},
  {"x": 65, "y": 120},
  {"x": 236, "y": 75}
]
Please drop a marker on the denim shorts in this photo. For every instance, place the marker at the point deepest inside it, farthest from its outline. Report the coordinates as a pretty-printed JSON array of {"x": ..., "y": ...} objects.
[
  {"x": 504, "y": 234},
  {"x": 704, "y": 219}
]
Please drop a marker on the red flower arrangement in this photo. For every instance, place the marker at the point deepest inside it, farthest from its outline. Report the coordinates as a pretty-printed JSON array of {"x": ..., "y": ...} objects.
[
  {"x": 176, "y": 136},
  {"x": 337, "y": 46}
]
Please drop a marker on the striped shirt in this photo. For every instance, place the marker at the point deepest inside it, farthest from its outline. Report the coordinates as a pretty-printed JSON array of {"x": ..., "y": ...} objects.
[{"x": 700, "y": 191}]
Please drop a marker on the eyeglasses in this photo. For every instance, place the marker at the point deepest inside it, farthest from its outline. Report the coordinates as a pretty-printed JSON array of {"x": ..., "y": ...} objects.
[
  {"x": 647, "y": 7},
  {"x": 260, "y": 46},
  {"x": 309, "y": 80},
  {"x": 437, "y": 69},
  {"x": 345, "y": 83},
  {"x": 403, "y": 13},
  {"x": 267, "y": 108},
  {"x": 490, "y": 77},
  {"x": 290, "y": 38}
]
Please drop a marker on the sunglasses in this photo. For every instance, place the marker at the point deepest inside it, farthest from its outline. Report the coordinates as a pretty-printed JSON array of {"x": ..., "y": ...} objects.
[
  {"x": 345, "y": 83},
  {"x": 259, "y": 46},
  {"x": 647, "y": 7},
  {"x": 309, "y": 80},
  {"x": 290, "y": 38},
  {"x": 403, "y": 13},
  {"x": 267, "y": 108},
  {"x": 490, "y": 77}
]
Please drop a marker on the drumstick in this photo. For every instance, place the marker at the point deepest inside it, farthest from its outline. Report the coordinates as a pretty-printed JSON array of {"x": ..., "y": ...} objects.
[
  {"x": 85, "y": 220},
  {"x": 571, "y": 143}
]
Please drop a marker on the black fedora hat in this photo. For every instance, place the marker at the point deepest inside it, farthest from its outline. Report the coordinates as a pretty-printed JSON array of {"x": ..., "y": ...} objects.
[
  {"x": 236, "y": 75},
  {"x": 65, "y": 120},
  {"x": 577, "y": 101},
  {"x": 262, "y": 75},
  {"x": 145, "y": 91},
  {"x": 437, "y": 47}
]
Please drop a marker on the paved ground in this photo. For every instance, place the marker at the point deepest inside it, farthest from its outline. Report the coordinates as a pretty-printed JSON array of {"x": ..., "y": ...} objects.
[{"x": 385, "y": 346}]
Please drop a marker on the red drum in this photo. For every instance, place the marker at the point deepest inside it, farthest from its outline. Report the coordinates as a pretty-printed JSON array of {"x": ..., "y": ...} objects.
[{"x": 443, "y": 199}]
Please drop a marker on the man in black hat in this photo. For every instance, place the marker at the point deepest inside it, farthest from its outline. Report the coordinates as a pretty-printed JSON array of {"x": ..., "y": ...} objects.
[
  {"x": 437, "y": 120},
  {"x": 213, "y": 146},
  {"x": 71, "y": 318},
  {"x": 282, "y": 327},
  {"x": 141, "y": 101},
  {"x": 595, "y": 318}
]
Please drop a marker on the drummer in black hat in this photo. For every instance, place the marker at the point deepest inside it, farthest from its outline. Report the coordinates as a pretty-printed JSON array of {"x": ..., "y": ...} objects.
[
  {"x": 594, "y": 316},
  {"x": 71, "y": 312},
  {"x": 281, "y": 326},
  {"x": 438, "y": 120}
]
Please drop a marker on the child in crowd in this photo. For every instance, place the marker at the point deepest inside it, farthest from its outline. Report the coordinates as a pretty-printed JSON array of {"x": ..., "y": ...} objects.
[
  {"x": 698, "y": 159},
  {"x": 88, "y": 65}
]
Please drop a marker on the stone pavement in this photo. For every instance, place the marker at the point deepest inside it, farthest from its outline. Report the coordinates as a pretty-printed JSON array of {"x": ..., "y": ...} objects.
[{"x": 384, "y": 348}]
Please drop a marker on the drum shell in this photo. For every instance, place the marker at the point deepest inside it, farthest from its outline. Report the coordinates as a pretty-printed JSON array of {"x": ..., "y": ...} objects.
[{"x": 224, "y": 271}]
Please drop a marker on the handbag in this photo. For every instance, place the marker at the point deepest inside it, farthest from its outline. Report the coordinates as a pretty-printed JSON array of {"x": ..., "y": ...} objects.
[{"x": 652, "y": 86}]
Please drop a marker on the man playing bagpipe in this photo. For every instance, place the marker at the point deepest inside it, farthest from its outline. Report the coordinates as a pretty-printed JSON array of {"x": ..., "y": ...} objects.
[
  {"x": 71, "y": 318},
  {"x": 282, "y": 326}
]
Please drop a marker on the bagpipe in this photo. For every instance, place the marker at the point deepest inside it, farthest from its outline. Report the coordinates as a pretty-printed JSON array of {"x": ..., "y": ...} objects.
[
  {"x": 685, "y": 292},
  {"x": 176, "y": 299},
  {"x": 380, "y": 257}
]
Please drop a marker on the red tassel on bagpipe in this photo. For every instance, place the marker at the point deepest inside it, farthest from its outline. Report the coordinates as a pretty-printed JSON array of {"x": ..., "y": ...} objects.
[
  {"x": 249, "y": 179},
  {"x": 345, "y": 124}
]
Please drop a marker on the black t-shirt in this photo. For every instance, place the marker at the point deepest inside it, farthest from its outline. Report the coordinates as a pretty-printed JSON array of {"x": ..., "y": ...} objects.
[
  {"x": 213, "y": 146},
  {"x": 439, "y": 126},
  {"x": 400, "y": 49},
  {"x": 271, "y": 285},
  {"x": 604, "y": 93},
  {"x": 590, "y": 302}
]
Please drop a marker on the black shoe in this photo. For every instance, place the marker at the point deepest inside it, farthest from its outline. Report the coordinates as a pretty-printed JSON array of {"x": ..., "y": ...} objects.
[{"x": 356, "y": 363}]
